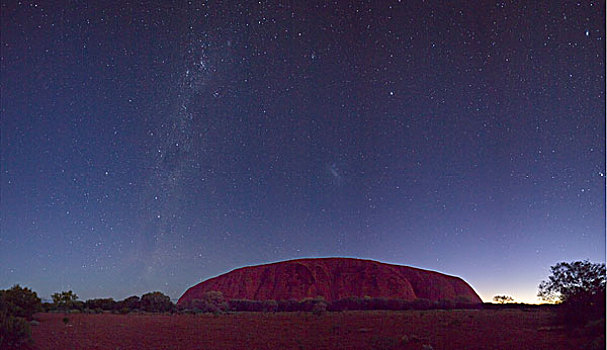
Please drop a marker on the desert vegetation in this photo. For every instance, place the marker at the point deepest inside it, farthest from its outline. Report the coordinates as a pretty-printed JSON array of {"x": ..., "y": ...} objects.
[
  {"x": 213, "y": 301},
  {"x": 153, "y": 302},
  {"x": 579, "y": 289},
  {"x": 576, "y": 291},
  {"x": 503, "y": 299},
  {"x": 17, "y": 307}
]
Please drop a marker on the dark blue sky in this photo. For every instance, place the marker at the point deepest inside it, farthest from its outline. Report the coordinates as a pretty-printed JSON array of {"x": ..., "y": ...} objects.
[{"x": 148, "y": 146}]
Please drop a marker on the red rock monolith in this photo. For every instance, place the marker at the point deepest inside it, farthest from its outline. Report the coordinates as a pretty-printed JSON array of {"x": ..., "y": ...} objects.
[{"x": 334, "y": 279}]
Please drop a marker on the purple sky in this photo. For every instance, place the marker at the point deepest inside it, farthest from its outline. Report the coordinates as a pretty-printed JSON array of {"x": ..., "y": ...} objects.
[{"x": 151, "y": 146}]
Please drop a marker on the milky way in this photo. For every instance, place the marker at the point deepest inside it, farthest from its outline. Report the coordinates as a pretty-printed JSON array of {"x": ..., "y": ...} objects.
[{"x": 149, "y": 146}]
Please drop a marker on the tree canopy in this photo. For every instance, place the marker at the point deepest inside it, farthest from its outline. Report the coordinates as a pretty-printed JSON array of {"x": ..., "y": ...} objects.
[
  {"x": 64, "y": 300},
  {"x": 156, "y": 302},
  {"x": 20, "y": 301},
  {"x": 571, "y": 280},
  {"x": 580, "y": 287},
  {"x": 503, "y": 299}
]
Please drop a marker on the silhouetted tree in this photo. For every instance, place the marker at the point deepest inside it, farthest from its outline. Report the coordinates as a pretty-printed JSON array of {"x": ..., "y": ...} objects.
[
  {"x": 107, "y": 304},
  {"x": 308, "y": 304},
  {"x": 580, "y": 287},
  {"x": 131, "y": 303},
  {"x": 14, "y": 331},
  {"x": 17, "y": 305},
  {"x": 287, "y": 305},
  {"x": 503, "y": 299},
  {"x": 213, "y": 301},
  {"x": 65, "y": 300},
  {"x": 156, "y": 302},
  {"x": 20, "y": 302}
]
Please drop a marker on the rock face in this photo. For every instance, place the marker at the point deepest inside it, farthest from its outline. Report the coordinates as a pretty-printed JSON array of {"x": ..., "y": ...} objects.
[{"x": 333, "y": 279}]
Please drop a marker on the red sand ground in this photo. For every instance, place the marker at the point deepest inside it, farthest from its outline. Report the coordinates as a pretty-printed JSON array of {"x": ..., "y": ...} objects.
[{"x": 458, "y": 329}]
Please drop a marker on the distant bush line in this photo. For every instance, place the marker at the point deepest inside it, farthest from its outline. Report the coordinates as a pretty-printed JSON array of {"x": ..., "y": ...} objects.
[
  {"x": 18, "y": 305},
  {"x": 150, "y": 302},
  {"x": 161, "y": 303},
  {"x": 519, "y": 306},
  {"x": 214, "y": 302}
]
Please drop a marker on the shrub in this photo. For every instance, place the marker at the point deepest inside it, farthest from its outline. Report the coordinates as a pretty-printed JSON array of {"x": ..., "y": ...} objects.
[
  {"x": 384, "y": 304},
  {"x": 308, "y": 304},
  {"x": 20, "y": 302},
  {"x": 421, "y": 304},
  {"x": 503, "y": 299},
  {"x": 319, "y": 308},
  {"x": 244, "y": 305},
  {"x": 580, "y": 287},
  {"x": 350, "y": 303},
  {"x": 211, "y": 301},
  {"x": 132, "y": 303},
  {"x": 156, "y": 302},
  {"x": 78, "y": 306},
  {"x": 289, "y": 305},
  {"x": 269, "y": 306},
  {"x": 14, "y": 331},
  {"x": 66, "y": 301},
  {"x": 107, "y": 304},
  {"x": 396, "y": 304},
  {"x": 444, "y": 304},
  {"x": 47, "y": 307}
]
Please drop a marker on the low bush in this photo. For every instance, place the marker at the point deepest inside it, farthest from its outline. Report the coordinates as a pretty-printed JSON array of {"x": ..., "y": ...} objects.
[
  {"x": 244, "y": 305},
  {"x": 214, "y": 302},
  {"x": 580, "y": 288},
  {"x": 421, "y": 304},
  {"x": 308, "y": 304},
  {"x": 269, "y": 306},
  {"x": 48, "y": 307},
  {"x": 319, "y": 308},
  {"x": 211, "y": 301},
  {"x": 14, "y": 331},
  {"x": 17, "y": 306},
  {"x": 156, "y": 302},
  {"x": 107, "y": 304},
  {"x": 20, "y": 302},
  {"x": 66, "y": 301},
  {"x": 132, "y": 303},
  {"x": 289, "y": 305}
]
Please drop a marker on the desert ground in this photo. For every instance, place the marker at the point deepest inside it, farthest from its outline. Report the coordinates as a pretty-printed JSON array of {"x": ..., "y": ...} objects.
[{"x": 433, "y": 329}]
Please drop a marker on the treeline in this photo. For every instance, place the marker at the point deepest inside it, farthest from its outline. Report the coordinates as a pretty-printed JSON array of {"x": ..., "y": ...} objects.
[
  {"x": 213, "y": 301},
  {"x": 149, "y": 302},
  {"x": 18, "y": 306},
  {"x": 518, "y": 306}
]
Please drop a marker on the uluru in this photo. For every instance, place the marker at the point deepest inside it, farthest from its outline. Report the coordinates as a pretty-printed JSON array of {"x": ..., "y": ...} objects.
[{"x": 334, "y": 279}]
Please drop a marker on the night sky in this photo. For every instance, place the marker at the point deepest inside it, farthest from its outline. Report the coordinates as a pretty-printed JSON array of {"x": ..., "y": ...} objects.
[{"x": 151, "y": 145}]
